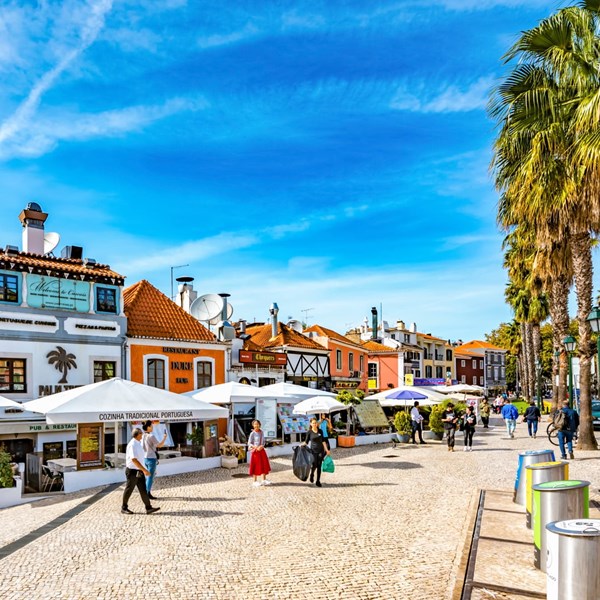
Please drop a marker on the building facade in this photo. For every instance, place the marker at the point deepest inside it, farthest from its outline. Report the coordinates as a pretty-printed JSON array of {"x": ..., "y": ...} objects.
[{"x": 494, "y": 363}]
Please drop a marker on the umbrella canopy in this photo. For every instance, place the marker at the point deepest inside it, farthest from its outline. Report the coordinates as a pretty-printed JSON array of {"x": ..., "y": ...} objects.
[
  {"x": 227, "y": 393},
  {"x": 7, "y": 403},
  {"x": 406, "y": 395},
  {"x": 464, "y": 397},
  {"x": 295, "y": 391},
  {"x": 435, "y": 397},
  {"x": 318, "y": 404},
  {"x": 118, "y": 399},
  {"x": 461, "y": 388},
  {"x": 393, "y": 402}
]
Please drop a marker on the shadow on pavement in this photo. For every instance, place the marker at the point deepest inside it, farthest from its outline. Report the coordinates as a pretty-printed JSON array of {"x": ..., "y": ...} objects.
[
  {"x": 207, "y": 514},
  {"x": 381, "y": 464},
  {"x": 329, "y": 485}
]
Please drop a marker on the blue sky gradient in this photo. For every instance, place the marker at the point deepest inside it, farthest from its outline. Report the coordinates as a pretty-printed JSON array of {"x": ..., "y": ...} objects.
[{"x": 324, "y": 155}]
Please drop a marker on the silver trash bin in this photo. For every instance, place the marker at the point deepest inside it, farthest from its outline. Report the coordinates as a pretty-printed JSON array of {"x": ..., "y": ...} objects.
[
  {"x": 556, "y": 501},
  {"x": 526, "y": 458},
  {"x": 557, "y": 470},
  {"x": 573, "y": 560}
]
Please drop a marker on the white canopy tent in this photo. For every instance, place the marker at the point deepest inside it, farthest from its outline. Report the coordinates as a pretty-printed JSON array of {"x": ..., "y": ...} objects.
[
  {"x": 293, "y": 391},
  {"x": 228, "y": 393},
  {"x": 8, "y": 403},
  {"x": 318, "y": 404}
]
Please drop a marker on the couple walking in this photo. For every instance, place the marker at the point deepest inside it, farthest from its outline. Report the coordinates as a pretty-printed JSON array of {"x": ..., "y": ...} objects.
[{"x": 452, "y": 420}]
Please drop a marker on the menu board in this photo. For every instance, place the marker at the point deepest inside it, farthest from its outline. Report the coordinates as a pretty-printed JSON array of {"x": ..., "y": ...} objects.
[
  {"x": 266, "y": 413},
  {"x": 370, "y": 414},
  {"x": 90, "y": 446},
  {"x": 291, "y": 423}
]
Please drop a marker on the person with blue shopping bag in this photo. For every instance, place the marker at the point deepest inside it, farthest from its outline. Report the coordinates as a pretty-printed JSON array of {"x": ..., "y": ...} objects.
[{"x": 510, "y": 414}]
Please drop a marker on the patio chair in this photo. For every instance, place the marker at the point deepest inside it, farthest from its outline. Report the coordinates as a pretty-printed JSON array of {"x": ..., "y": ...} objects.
[{"x": 49, "y": 478}]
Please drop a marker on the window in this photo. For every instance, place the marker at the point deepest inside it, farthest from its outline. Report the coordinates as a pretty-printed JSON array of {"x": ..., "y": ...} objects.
[
  {"x": 474, "y": 364},
  {"x": 9, "y": 288},
  {"x": 481, "y": 364},
  {"x": 496, "y": 373},
  {"x": 407, "y": 338},
  {"x": 203, "y": 374},
  {"x": 393, "y": 336},
  {"x": 351, "y": 361},
  {"x": 12, "y": 375},
  {"x": 156, "y": 373},
  {"x": 463, "y": 363},
  {"x": 481, "y": 380},
  {"x": 106, "y": 300},
  {"x": 463, "y": 379},
  {"x": 428, "y": 372},
  {"x": 361, "y": 363},
  {"x": 439, "y": 372},
  {"x": 372, "y": 370},
  {"x": 448, "y": 355},
  {"x": 104, "y": 370},
  {"x": 338, "y": 360},
  {"x": 474, "y": 379}
]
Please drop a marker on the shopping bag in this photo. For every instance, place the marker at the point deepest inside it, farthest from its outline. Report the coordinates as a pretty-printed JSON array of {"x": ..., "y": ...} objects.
[
  {"x": 328, "y": 466},
  {"x": 302, "y": 462}
]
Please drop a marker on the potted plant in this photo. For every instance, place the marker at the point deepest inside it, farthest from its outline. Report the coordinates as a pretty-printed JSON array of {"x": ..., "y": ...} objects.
[
  {"x": 350, "y": 399},
  {"x": 229, "y": 452},
  {"x": 403, "y": 426},
  {"x": 197, "y": 439},
  {"x": 435, "y": 422},
  {"x": 6, "y": 471}
]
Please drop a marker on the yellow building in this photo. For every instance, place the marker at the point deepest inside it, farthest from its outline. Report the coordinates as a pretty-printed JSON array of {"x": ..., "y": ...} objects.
[{"x": 438, "y": 357}]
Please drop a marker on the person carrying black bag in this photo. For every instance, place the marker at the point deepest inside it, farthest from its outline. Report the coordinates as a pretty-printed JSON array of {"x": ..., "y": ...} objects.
[
  {"x": 316, "y": 444},
  {"x": 532, "y": 417}
]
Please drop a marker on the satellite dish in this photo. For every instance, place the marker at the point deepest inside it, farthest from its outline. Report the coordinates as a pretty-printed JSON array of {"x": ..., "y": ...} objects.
[
  {"x": 51, "y": 240},
  {"x": 207, "y": 308},
  {"x": 229, "y": 311}
]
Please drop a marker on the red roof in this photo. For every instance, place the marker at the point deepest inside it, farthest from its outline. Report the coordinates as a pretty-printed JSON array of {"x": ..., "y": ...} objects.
[
  {"x": 474, "y": 344},
  {"x": 331, "y": 334},
  {"x": 374, "y": 347},
  {"x": 262, "y": 335}
]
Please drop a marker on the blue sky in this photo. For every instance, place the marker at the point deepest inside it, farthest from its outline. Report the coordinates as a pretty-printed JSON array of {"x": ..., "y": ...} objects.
[{"x": 326, "y": 155}]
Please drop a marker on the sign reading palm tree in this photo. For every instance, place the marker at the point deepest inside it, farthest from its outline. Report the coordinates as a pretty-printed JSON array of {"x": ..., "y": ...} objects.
[{"x": 62, "y": 361}]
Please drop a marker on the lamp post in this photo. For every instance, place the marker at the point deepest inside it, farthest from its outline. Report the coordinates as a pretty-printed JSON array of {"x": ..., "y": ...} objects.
[
  {"x": 538, "y": 372},
  {"x": 594, "y": 321},
  {"x": 569, "y": 343}
]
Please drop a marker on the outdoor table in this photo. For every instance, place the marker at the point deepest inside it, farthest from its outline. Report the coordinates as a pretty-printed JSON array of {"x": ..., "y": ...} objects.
[
  {"x": 63, "y": 465},
  {"x": 164, "y": 454}
]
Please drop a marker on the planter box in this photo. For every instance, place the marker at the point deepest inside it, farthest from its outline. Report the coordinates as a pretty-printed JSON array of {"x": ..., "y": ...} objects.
[
  {"x": 432, "y": 435},
  {"x": 378, "y": 438},
  {"x": 229, "y": 462},
  {"x": 346, "y": 441}
]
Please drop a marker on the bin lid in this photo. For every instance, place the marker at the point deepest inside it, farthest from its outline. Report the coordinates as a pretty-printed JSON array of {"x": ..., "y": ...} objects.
[
  {"x": 553, "y": 486},
  {"x": 534, "y": 452},
  {"x": 576, "y": 527},
  {"x": 547, "y": 465}
]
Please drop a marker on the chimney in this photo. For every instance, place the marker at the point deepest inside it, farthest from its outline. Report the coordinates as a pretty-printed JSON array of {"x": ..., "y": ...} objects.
[
  {"x": 401, "y": 325},
  {"x": 224, "y": 309},
  {"x": 33, "y": 220},
  {"x": 242, "y": 325},
  {"x": 374, "y": 322},
  {"x": 274, "y": 310},
  {"x": 185, "y": 293},
  {"x": 413, "y": 328}
]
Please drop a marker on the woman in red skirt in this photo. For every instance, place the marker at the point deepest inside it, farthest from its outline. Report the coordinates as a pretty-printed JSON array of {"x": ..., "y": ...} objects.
[{"x": 259, "y": 461}]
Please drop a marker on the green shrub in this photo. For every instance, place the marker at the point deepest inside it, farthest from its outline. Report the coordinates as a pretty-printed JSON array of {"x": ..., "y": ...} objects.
[
  {"x": 435, "y": 419},
  {"x": 6, "y": 474},
  {"x": 402, "y": 423}
]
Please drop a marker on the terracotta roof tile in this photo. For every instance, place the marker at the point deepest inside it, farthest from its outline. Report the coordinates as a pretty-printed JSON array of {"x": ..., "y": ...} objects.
[
  {"x": 330, "y": 333},
  {"x": 150, "y": 314},
  {"x": 262, "y": 335},
  {"x": 375, "y": 347},
  {"x": 432, "y": 337},
  {"x": 56, "y": 267},
  {"x": 478, "y": 344}
]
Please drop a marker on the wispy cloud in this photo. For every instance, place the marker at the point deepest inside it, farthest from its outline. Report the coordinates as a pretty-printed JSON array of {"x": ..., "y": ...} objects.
[
  {"x": 212, "y": 41},
  {"x": 450, "y": 98}
]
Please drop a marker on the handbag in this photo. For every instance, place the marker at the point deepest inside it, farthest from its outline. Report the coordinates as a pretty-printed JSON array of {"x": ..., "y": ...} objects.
[{"x": 328, "y": 466}]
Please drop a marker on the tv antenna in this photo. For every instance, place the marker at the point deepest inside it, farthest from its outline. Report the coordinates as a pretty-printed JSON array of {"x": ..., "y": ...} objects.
[{"x": 306, "y": 315}]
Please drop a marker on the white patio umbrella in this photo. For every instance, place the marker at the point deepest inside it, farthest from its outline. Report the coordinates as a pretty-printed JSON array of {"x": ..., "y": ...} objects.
[
  {"x": 318, "y": 404},
  {"x": 291, "y": 390},
  {"x": 8, "y": 403},
  {"x": 228, "y": 393},
  {"x": 434, "y": 396},
  {"x": 461, "y": 388},
  {"x": 394, "y": 402},
  {"x": 118, "y": 399}
]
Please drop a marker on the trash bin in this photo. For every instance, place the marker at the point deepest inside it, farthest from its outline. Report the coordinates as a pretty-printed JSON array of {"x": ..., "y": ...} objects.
[
  {"x": 573, "y": 560},
  {"x": 556, "y": 501},
  {"x": 557, "y": 470},
  {"x": 529, "y": 457}
]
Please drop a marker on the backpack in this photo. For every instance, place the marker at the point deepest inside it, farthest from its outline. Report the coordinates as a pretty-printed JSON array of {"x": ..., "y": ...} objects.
[{"x": 560, "y": 420}]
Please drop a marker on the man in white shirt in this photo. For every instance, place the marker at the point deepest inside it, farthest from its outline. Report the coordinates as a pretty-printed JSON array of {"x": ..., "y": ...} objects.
[
  {"x": 136, "y": 474},
  {"x": 417, "y": 423}
]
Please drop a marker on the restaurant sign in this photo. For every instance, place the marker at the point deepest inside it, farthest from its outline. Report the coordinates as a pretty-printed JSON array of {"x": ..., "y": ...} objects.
[
  {"x": 263, "y": 358},
  {"x": 90, "y": 446},
  {"x": 345, "y": 385},
  {"x": 53, "y": 292}
]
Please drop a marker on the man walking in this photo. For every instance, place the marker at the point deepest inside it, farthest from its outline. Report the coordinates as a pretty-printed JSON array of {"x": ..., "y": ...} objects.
[
  {"x": 532, "y": 417},
  {"x": 484, "y": 412},
  {"x": 450, "y": 421},
  {"x": 510, "y": 414},
  {"x": 150, "y": 446},
  {"x": 417, "y": 423},
  {"x": 569, "y": 427},
  {"x": 135, "y": 472}
]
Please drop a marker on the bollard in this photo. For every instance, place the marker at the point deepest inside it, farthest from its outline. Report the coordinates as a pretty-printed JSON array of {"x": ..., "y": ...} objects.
[
  {"x": 556, "y": 501},
  {"x": 573, "y": 560},
  {"x": 529, "y": 457},
  {"x": 557, "y": 470}
]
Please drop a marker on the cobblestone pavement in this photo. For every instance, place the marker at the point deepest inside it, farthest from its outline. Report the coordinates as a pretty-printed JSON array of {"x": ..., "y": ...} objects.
[{"x": 389, "y": 524}]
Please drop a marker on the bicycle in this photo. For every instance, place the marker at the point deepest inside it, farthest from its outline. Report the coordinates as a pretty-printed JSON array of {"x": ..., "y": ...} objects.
[{"x": 552, "y": 433}]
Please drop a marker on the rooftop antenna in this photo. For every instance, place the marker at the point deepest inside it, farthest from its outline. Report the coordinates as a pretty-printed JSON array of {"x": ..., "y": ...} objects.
[
  {"x": 172, "y": 269},
  {"x": 306, "y": 311}
]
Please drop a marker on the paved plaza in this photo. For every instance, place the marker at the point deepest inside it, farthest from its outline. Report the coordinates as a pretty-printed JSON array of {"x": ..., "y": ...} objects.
[{"x": 390, "y": 523}]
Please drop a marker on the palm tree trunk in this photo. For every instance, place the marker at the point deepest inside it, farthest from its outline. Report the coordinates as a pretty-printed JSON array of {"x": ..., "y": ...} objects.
[
  {"x": 583, "y": 271},
  {"x": 559, "y": 314},
  {"x": 536, "y": 343}
]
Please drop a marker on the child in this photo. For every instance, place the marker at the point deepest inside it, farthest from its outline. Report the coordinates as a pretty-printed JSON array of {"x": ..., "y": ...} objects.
[{"x": 259, "y": 461}]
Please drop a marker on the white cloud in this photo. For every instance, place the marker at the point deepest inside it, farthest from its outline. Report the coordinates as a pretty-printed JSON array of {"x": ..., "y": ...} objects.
[{"x": 211, "y": 41}]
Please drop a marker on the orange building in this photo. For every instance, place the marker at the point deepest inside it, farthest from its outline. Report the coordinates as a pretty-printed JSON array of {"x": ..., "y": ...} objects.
[
  {"x": 347, "y": 360},
  {"x": 386, "y": 366}
]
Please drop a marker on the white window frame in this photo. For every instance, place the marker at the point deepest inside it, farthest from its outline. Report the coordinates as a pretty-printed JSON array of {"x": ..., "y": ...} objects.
[
  {"x": 163, "y": 357},
  {"x": 463, "y": 363},
  {"x": 208, "y": 359},
  {"x": 463, "y": 379}
]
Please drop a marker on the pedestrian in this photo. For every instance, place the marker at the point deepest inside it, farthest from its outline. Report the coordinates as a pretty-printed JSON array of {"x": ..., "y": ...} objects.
[
  {"x": 416, "y": 419},
  {"x": 510, "y": 414},
  {"x": 326, "y": 429},
  {"x": 569, "y": 427},
  {"x": 484, "y": 411},
  {"x": 450, "y": 420},
  {"x": 259, "y": 461},
  {"x": 469, "y": 422},
  {"x": 135, "y": 472},
  {"x": 316, "y": 444},
  {"x": 150, "y": 444},
  {"x": 498, "y": 404},
  {"x": 532, "y": 417}
]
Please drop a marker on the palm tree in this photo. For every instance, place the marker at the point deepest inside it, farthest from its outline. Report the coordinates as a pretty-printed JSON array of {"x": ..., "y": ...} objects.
[{"x": 62, "y": 361}]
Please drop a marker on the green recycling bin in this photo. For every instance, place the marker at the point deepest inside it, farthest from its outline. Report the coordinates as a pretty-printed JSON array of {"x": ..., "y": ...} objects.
[{"x": 557, "y": 470}]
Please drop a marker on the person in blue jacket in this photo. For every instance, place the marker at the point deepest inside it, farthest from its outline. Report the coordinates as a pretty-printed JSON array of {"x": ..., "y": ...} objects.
[
  {"x": 569, "y": 428},
  {"x": 510, "y": 414}
]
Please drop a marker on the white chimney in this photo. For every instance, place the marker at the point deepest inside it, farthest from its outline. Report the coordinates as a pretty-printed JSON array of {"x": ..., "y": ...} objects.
[
  {"x": 274, "y": 310},
  {"x": 185, "y": 293},
  {"x": 413, "y": 328},
  {"x": 400, "y": 325},
  {"x": 33, "y": 220}
]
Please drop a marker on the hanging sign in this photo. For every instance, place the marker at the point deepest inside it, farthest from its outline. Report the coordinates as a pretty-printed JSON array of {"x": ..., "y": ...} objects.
[{"x": 90, "y": 446}]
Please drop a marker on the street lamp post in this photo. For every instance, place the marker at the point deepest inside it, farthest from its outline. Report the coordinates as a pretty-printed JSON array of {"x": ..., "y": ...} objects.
[
  {"x": 594, "y": 321},
  {"x": 569, "y": 343}
]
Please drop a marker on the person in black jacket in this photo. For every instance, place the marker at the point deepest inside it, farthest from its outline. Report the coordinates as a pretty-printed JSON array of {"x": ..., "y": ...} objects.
[
  {"x": 469, "y": 420},
  {"x": 316, "y": 444},
  {"x": 532, "y": 417},
  {"x": 450, "y": 420}
]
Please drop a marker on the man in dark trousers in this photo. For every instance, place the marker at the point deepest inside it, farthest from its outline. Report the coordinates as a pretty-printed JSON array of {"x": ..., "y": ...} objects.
[
  {"x": 565, "y": 435},
  {"x": 532, "y": 417},
  {"x": 416, "y": 419},
  {"x": 136, "y": 474}
]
